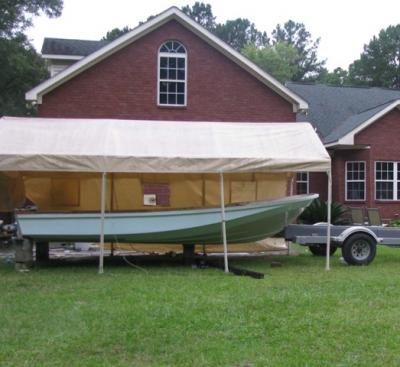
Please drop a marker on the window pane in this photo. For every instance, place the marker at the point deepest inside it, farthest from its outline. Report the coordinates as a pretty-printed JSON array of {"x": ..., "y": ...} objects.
[
  {"x": 172, "y": 74},
  {"x": 163, "y": 62},
  {"x": 171, "y": 99},
  {"x": 163, "y": 86},
  {"x": 302, "y": 188},
  {"x": 172, "y": 62},
  {"x": 181, "y": 74},
  {"x": 163, "y": 73},
  {"x": 181, "y": 99},
  {"x": 398, "y": 191},
  {"x": 384, "y": 190},
  {"x": 171, "y": 87},
  {"x": 180, "y": 49},
  {"x": 181, "y": 87},
  {"x": 181, "y": 63},
  {"x": 355, "y": 190},
  {"x": 163, "y": 98}
]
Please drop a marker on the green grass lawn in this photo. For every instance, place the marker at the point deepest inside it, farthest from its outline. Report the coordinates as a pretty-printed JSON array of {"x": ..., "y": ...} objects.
[{"x": 167, "y": 315}]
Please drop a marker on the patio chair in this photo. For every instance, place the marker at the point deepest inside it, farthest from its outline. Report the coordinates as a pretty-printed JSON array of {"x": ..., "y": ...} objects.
[
  {"x": 357, "y": 216},
  {"x": 374, "y": 217}
]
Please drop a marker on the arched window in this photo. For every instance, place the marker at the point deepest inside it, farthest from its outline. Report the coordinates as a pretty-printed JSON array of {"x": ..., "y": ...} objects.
[{"x": 172, "y": 67}]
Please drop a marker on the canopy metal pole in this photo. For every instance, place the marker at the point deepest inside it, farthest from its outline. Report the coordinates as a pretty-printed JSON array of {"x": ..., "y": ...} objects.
[
  {"x": 328, "y": 230},
  {"x": 223, "y": 221},
  {"x": 102, "y": 215}
]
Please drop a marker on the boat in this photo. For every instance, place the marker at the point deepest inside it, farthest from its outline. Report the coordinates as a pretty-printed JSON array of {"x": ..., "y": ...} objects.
[{"x": 244, "y": 223}]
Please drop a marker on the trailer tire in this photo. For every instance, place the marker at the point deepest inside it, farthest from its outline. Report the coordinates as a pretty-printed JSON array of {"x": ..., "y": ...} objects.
[
  {"x": 319, "y": 249},
  {"x": 359, "y": 249}
]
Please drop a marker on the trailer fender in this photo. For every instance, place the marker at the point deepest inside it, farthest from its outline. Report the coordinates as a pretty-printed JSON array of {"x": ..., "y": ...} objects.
[{"x": 356, "y": 229}]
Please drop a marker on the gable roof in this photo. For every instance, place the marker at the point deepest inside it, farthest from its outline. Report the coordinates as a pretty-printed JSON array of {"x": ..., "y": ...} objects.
[
  {"x": 70, "y": 47},
  {"x": 339, "y": 112},
  {"x": 172, "y": 13}
]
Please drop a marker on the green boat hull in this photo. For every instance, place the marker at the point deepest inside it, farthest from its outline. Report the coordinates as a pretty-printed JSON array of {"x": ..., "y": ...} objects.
[{"x": 244, "y": 223}]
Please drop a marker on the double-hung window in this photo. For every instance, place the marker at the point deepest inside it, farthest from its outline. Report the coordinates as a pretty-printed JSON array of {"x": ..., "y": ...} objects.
[
  {"x": 387, "y": 180},
  {"x": 355, "y": 181},
  {"x": 172, "y": 74},
  {"x": 302, "y": 183}
]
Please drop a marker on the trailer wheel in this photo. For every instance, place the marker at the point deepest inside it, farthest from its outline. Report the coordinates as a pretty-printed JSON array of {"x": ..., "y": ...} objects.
[
  {"x": 319, "y": 249},
  {"x": 359, "y": 249}
]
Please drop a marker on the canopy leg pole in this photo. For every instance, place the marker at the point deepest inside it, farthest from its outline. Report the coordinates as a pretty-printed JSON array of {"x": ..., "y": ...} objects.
[
  {"x": 223, "y": 221},
  {"x": 102, "y": 217},
  {"x": 328, "y": 230}
]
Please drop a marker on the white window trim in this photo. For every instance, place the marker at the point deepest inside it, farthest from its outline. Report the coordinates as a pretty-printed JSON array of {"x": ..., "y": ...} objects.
[
  {"x": 170, "y": 54},
  {"x": 307, "y": 182},
  {"x": 394, "y": 181},
  {"x": 364, "y": 181}
]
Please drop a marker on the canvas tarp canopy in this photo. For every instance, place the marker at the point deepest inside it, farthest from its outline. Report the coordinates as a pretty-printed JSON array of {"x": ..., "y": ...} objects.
[
  {"x": 101, "y": 145},
  {"x": 116, "y": 146}
]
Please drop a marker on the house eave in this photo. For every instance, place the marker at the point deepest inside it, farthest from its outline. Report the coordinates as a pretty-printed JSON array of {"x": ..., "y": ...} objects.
[
  {"x": 61, "y": 57},
  {"x": 349, "y": 138},
  {"x": 335, "y": 146}
]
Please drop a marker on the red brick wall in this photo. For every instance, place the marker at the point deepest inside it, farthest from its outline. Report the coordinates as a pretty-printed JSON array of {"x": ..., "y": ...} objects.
[
  {"x": 124, "y": 86},
  {"x": 383, "y": 137},
  {"x": 318, "y": 182}
]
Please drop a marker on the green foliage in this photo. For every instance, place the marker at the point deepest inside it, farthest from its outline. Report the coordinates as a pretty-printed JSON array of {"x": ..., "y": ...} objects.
[
  {"x": 394, "y": 223},
  {"x": 202, "y": 14},
  {"x": 21, "y": 68},
  {"x": 279, "y": 60},
  {"x": 241, "y": 32},
  {"x": 339, "y": 76},
  {"x": 317, "y": 212},
  {"x": 115, "y": 33},
  {"x": 295, "y": 34},
  {"x": 16, "y": 15},
  {"x": 379, "y": 64},
  {"x": 237, "y": 33}
]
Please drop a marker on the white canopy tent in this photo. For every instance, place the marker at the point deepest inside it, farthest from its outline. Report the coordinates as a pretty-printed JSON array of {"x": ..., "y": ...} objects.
[{"x": 105, "y": 145}]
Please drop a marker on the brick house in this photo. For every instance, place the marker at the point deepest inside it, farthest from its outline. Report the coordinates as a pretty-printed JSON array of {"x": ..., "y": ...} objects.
[
  {"x": 360, "y": 128},
  {"x": 170, "y": 68}
]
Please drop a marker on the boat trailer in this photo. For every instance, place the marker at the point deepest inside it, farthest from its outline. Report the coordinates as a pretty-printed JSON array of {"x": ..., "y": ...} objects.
[{"x": 358, "y": 243}]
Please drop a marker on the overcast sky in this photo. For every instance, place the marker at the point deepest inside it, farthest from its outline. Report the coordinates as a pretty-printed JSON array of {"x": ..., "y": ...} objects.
[{"x": 344, "y": 26}]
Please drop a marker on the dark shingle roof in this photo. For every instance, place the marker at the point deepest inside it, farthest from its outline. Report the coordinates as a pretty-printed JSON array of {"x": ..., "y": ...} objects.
[
  {"x": 336, "y": 110},
  {"x": 71, "y": 47}
]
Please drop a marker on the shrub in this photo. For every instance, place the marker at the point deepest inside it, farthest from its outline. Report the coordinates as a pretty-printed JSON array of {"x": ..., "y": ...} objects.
[
  {"x": 317, "y": 211},
  {"x": 394, "y": 223}
]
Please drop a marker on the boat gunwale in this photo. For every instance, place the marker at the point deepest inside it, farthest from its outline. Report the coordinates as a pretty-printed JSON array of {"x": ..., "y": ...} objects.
[{"x": 167, "y": 212}]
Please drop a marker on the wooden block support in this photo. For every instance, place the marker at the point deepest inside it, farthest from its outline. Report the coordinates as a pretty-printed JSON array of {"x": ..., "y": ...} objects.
[{"x": 23, "y": 254}]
